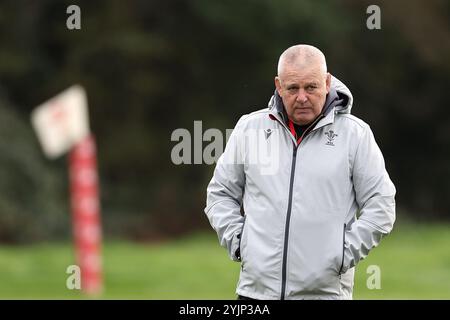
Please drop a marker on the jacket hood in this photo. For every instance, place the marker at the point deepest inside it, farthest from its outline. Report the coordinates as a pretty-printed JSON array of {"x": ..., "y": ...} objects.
[{"x": 339, "y": 98}]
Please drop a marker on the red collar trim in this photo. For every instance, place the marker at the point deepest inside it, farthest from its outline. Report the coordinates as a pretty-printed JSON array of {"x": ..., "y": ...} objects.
[{"x": 294, "y": 133}]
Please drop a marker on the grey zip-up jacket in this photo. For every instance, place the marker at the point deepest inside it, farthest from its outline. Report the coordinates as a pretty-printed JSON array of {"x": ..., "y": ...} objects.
[{"x": 313, "y": 210}]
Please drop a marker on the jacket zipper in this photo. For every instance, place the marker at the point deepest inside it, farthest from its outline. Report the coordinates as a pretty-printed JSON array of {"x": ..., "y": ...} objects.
[
  {"x": 288, "y": 220},
  {"x": 288, "y": 214},
  {"x": 343, "y": 252}
]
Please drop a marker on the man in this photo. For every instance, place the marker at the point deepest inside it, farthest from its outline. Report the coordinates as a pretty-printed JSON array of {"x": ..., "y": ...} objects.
[{"x": 327, "y": 203}]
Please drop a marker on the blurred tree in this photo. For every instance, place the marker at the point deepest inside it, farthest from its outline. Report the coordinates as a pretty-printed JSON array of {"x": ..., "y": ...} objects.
[{"x": 31, "y": 193}]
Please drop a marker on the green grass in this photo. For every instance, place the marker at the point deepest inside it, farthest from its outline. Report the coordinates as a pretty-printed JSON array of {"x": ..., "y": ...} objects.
[{"x": 414, "y": 262}]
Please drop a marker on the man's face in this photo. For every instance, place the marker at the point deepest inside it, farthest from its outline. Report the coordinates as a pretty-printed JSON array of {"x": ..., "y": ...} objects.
[{"x": 303, "y": 91}]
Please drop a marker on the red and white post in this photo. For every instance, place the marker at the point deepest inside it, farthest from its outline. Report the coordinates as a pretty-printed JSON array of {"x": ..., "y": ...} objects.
[
  {"x": 85, "y": 205},
  {"x": 62, "y": 125}
]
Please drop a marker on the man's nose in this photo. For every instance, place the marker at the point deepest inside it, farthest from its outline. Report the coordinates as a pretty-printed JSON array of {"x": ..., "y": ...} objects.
[{"x": 301, "y": 97}]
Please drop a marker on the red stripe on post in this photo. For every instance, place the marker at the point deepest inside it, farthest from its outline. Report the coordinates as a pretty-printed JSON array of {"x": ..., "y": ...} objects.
[{"x": 86, "y": 214}]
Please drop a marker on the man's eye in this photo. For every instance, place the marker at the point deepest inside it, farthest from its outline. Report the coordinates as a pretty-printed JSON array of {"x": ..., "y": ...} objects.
[
  {"x": 311, "y": 88},
  {"x": 292, "y": 89}
]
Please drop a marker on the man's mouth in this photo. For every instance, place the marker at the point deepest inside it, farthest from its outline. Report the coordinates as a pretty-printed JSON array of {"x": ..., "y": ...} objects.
[{"x": 302, "y": 109}]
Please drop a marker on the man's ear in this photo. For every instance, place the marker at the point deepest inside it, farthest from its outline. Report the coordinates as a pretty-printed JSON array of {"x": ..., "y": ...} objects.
[
  {"x": 328, "y": 82},
  {"x": 278, "y": 85}
]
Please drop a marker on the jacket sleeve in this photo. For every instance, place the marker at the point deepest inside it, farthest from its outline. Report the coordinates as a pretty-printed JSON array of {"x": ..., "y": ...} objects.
[
  {"x": 225, "y": 193},
  {"x": 375, "y": 196}
]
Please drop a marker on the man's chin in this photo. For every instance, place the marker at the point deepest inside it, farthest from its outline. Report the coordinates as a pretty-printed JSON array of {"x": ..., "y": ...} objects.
[{"x": 303, "y": 121}]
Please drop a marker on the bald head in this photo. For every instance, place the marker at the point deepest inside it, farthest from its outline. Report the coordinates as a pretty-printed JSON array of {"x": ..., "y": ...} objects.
[
  {"x": 302, "y": 56},
  {"x": 303, "y": 83}
]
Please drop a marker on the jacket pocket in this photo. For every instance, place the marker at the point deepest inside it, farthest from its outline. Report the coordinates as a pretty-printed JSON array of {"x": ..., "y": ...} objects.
[
  {"x": 343, "y": 250},
  {"x": 241, "y": 235}
]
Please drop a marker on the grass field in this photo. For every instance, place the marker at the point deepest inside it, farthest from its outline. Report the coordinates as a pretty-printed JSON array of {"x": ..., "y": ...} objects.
[{"x": 414, "y": 262}]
